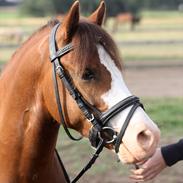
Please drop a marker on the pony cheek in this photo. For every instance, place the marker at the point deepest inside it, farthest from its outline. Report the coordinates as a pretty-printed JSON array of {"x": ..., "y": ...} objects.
[{"x": 84, "y": 127}]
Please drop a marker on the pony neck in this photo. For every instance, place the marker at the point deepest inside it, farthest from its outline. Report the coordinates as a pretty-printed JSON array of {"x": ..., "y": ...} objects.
[{"x": 27, "y": 132}]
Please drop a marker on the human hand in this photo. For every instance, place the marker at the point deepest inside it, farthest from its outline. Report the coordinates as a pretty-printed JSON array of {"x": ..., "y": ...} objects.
[{"x": 150, "y": 169}]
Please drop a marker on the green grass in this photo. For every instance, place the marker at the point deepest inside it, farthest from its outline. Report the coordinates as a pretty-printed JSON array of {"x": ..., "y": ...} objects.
[
  {"x": 5, "y": 54},
  {"x": 167, "y": 113},
  {"x": 8, "y": 13}
]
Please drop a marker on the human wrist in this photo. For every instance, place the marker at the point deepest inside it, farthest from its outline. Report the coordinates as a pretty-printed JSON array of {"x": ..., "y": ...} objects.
[{"x": 170, "y": 154}]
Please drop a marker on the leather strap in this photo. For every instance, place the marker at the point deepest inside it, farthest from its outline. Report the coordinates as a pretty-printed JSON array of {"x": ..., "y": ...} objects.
[
  {"x": 124, "y": 127},
  {"x": 63, "y": 167},
  {"x": 91, "y": 162},
  {"x": 122, "y": 105},
  {"x": 57, "y": 67},
  {"x": 59, "y": 106}
]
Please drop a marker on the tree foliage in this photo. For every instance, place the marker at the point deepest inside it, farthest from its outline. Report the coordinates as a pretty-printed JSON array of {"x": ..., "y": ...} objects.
[{"x": 47, "y": 7}]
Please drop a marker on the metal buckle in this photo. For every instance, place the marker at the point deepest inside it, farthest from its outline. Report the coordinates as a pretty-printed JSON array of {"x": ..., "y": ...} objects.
[
  {"x": 92, "y": 118},
  {"x": 114, "y": 135},
  {"x": 58, "y": 67},
  {"x": 60, "y": 71}
]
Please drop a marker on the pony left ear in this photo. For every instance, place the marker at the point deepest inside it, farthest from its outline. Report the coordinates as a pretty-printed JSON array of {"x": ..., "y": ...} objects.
[
  {"x": 98, "y": 16},
  {"x": 70, "y": 22}
]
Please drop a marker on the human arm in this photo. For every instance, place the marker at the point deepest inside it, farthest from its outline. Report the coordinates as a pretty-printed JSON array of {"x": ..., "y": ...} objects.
[{"x": 173, "y": 153}]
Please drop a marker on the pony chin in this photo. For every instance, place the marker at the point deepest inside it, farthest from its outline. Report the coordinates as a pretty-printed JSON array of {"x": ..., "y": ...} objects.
[{"x": 125, "y": 156}]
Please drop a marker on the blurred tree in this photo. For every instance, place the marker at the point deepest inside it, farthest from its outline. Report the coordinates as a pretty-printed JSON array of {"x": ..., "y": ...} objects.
[
  {"x": 60, "y": 6},
  {"x": 119, "y": 6},
  {"x": 88, "y": 6},
  {"x": 47, "y": 7},
  {"x": 113, "y": 8},
  {"x": 2, "y": 2}
]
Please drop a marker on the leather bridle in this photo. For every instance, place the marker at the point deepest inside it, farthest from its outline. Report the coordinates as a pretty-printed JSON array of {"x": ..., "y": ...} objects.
[{"x": 100, "y": 134}]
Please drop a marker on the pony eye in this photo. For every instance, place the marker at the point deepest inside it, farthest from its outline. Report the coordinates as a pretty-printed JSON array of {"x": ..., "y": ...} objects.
[{"x": 88, "y": 75}]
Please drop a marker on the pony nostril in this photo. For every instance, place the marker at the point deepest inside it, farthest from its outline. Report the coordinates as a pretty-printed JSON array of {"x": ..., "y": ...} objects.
[{"x": 145, "y": 139}]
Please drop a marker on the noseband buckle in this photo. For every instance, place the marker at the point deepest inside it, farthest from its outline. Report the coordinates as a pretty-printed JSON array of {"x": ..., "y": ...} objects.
[{"x": 92, "y": 118}]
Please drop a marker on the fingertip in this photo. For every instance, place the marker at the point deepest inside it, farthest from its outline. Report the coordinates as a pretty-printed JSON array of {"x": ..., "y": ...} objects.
[
  {"x": 132, "y": 170},
  {"x": 140, "y": 171},
  {"x": 135, "y": 179}
]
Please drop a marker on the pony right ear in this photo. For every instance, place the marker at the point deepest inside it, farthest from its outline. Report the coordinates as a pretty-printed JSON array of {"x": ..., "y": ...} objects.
[{"x": 71, "y": 20}]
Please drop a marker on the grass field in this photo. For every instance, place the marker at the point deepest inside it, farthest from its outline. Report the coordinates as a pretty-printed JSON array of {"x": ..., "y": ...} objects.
[{"x": 167, "y": 113}]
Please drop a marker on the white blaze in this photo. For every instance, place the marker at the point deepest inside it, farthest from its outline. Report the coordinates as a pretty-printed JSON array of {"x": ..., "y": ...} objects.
[{"x": 118, "y": 92}]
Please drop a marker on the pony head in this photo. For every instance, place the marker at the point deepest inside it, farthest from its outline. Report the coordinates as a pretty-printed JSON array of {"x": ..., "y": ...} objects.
[{"x": 96, "y": 70}]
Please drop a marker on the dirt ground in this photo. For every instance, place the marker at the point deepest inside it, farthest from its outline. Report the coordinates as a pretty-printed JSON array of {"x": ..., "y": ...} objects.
[{"x": 155, "y": 79}]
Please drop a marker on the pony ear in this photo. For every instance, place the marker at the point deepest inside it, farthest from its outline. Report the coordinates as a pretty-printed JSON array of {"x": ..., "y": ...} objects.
[
  {"x": 98, "y": 16},
  {"x": 71, "y": 20}
]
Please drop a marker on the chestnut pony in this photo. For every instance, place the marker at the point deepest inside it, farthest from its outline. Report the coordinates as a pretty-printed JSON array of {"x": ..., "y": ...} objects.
[
  {"x": 126, "y": 17},
  {"x": 29, "y": 118}
]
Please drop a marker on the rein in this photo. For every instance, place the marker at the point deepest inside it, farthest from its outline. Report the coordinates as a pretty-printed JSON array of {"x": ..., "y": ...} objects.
[{"x": 98, "y": 119}]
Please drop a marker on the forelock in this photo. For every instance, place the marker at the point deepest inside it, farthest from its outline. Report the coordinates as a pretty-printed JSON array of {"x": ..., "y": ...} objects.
[{"x": 86, "y": 38}]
